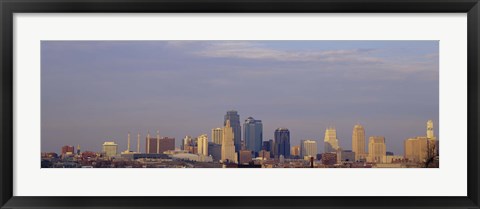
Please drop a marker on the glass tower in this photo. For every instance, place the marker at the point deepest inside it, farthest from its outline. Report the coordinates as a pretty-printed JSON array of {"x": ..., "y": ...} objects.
[
  {"x": 282, "y": 142},
  {"x": 253, "y": 133}
]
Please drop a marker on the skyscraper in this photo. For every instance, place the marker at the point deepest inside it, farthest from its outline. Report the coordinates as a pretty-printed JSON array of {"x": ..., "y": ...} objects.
[
  {"x": 308, "y": 148},
  {"x": 217, "y": 134},
  {"x": 228, "y": 146},
  {"x": 358, "y": 142},
  {"x": 331, "y": 141},
  {"x": 377, "y": 150},
  {"x": 282, "y": 142},
  {"x": 253, "y": 133},
  {"x": 430, "y": 129},
  {"x": 202, "y": 142},
  {"x": 234, "y": 119}
]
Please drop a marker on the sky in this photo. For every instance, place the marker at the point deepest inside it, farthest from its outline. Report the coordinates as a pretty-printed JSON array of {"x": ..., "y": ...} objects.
[{"x": 97, "y": 91}]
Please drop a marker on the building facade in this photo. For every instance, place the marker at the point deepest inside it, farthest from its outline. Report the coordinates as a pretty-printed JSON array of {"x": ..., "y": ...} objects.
[
  {"x": 228, "y": 145},
  {"x": 330, "y": 140},
  {"x": 253, "y": 134},
  {"x": 358, "y": 143},
  {"x": 202, "y": 142},
  {"x": 308, "y": 148},
  {"x": 110, "y": 149},
  {"x": 234, "y": 119},
  {"x": 377, "y": 150},
  {"x": 217, "y": 134},
  {"x": 282, "y": 142},
  {"x": 68, "y": 150}
]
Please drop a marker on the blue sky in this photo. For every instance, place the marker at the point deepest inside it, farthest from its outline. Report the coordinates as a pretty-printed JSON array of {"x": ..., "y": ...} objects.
[{"x": 94, "y": 91}]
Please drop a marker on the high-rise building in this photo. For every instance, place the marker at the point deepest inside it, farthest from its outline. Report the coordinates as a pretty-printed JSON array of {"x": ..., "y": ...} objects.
[
  {"x": 234, "y": 119},
  {"x": 430, "y": 129},
  {"x": 68, "y": 150},
  {"x": 377, "y": 150},
  {"x": 268, "y": 145},
  {"x": 330, "y": 140},
  {"x": 422, "y": 148},
  {"x": 110, "y": 149},
  {"x": 253, "y": 133},
  {"x": 165, "y": 144},
  {"x": 295, "y": 151},
  {"x": 282, "y": 142},
  {"x": 202, "y": 142},
  {"x": 159, "y": 145},
  {"x": 308, "y": 148},
  {"x": 358, "y": 142},
  {"x": 217, "y": 134},
  {"x": 245, "y": 156},
  {"x": 416, "y": 149},
  {"x": 228, "y": 146},
  {"x": 215, "y": 150}
]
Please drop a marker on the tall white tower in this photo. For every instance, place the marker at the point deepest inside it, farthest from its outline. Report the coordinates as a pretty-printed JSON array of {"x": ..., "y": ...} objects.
[
  {"x": 202, "y": 144},
  {"x": 330, "y": 140},
  {"x": 358, "y": 142},
  {"x": 430, "y": 129},
  {"x": 228, "y": 146}
]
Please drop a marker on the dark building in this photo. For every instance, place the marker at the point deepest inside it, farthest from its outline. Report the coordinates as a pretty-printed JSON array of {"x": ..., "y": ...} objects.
[
  {"x": 282, "y": 142},
  {"x": 234, "y": 118},
  {"x": 166, "y": 143},
  {"x": 151, "y": 145},
  {"x": 253, "y": 134},
  {"x": 158, "y": 146},
  {"x": 269, "y": 146},
  {"x": 329, "y": 158},
  {"x": 69, "y": 149},
  {"x": 215, "y": 150}
]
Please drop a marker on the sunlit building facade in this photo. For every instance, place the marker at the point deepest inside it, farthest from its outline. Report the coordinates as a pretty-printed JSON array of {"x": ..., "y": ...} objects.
[
  {"x": 358, "y": 142},
  {"x": 330, "y": 140},
  {"x": 377, "y": 150}
]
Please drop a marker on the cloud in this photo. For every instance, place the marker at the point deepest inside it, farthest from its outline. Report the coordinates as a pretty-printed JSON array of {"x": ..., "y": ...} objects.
[{"x": 255, "y": 51}]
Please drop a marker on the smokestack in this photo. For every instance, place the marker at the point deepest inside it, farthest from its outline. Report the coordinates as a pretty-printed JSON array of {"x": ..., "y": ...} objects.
[
  {"x": 128, "y": 143},
  {"x": 148, "y": 143},
  {"x": 158, "y": 141},
  {"x": 138, "y": 143}
]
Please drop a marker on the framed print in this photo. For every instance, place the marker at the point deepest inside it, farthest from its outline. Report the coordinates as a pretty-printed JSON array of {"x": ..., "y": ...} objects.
[{"x": 263, "y": 104}]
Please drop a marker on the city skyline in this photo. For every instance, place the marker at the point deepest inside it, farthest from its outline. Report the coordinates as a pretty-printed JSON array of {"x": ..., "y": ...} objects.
[{"x": 96, "y": 91}]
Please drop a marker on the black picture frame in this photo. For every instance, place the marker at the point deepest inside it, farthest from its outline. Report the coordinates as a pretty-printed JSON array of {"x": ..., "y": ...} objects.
[{"x": 10, "y": 7}]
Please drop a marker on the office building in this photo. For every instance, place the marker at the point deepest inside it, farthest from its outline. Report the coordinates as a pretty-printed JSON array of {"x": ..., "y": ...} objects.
[
  {"x": 282, "y": 142},
  {"x": 308, "y": 148},
  {"x": 202, "y": 144},
  {"x": 377, "y": 150},
  {"x": 295, "y": 151},
  {"x": 330, "y": 140},
  {"x": 68, "y": 150},
  {"x": 329, "y": 158},
  {"x": 110, "y": 149},
  {"x": 253, "y": 134},
  {"x": 215, "y": 150},
  {"x": 217, "y": 134},
  {"x": 228, "y": 145},
  {"x": 245, "y": 156},
  {"x": 358, "y": 143},
  {"x": 234, "y": 119}
]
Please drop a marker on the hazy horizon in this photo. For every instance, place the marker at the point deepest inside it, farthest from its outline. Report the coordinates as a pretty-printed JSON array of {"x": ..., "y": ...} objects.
[{"x": 96, "y": 91}]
